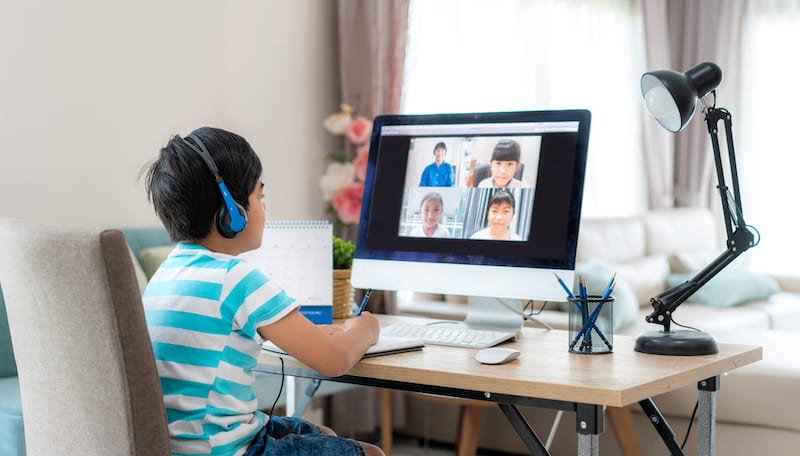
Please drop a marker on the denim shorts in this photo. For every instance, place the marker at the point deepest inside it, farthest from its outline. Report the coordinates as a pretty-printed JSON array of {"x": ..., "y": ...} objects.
[{"x": 283, "y": 435}]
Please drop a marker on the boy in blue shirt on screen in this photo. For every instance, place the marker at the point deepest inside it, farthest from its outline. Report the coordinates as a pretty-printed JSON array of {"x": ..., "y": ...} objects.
[
  {"x": 439, "y": 173},
  {"x": 208, "y": 312}
]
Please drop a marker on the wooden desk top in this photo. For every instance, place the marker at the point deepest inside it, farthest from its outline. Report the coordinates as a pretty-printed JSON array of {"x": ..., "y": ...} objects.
[{"x": 546, "y": 370}]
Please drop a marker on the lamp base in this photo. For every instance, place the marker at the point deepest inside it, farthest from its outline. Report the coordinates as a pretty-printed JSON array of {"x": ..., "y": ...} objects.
[{"x": 677, "y": 343}]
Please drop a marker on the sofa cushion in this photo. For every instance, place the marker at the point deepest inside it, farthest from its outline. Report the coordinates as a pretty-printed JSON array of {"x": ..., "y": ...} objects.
[
  {"x": 783, "y": 311},
  {"x": 680, "y": 230},
  {"x": 747, "y": 317},
  {"x": 760, "y": 393},
  {"x": 730, "y": 287},
  {"x": 596, "y": 274},
  {"x": 647, "y": 276},
  {"x": 8, "y": 365},
  {"x": 612, "y": 239},
  {"x": 684, "y": 262},
  {"x": 141, "y": 277},
  {"x": 142, "y": 238},
  {"x": 152, "y": 257},
  {"x": 12, "y": 438}
]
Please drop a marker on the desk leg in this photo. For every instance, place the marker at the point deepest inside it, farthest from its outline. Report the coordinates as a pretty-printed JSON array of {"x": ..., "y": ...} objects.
[
  {"x": 588, "y": 445},
  {"x": 624, "y": 430},
  {"x": 706, "y": 416},
  {"x": 661, "y": 425},
  {"x": 524, "y": 430},
  {"x": 387, "y": 427},
  {"x": 589, "y": 421},
  {"x": 291, "y": 395}
]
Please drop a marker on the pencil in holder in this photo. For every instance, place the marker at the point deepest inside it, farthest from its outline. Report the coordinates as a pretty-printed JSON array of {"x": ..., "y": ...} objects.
[{"x": 591, "y": 325}]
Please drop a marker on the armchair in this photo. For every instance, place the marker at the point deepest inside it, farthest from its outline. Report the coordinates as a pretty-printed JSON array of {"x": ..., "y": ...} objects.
[{"x": 87, "y": 375}]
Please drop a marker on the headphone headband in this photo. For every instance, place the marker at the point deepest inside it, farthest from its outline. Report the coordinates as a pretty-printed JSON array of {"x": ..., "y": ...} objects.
[
  {"x": 204, "y": 154},
  {"x": 231, "y": 217}
]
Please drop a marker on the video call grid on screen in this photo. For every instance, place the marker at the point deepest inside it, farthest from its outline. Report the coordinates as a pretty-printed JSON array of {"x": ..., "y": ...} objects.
[{"x": 506, "y": 190}]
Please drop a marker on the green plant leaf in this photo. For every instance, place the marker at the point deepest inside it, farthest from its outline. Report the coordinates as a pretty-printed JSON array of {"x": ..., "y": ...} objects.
[{"x": 343, "y": 252}]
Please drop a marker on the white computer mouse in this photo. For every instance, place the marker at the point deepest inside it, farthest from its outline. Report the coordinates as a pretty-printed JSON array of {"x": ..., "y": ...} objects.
[{"x": 496, "y": 355}]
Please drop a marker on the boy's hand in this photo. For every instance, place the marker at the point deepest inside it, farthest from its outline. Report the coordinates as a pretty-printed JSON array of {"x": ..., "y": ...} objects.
[{"x": 365, "y": 322}]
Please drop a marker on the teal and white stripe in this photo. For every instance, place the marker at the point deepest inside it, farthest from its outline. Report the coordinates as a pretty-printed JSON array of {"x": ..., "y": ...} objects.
[{"x": 203, "y": 310}]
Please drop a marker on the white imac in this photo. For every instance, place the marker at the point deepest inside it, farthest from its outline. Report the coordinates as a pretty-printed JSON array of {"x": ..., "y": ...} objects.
[{"x": 485, "y": 205}]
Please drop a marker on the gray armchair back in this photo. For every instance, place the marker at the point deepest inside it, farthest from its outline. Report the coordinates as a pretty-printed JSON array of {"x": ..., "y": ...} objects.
[{"x": 87, "y": 376}]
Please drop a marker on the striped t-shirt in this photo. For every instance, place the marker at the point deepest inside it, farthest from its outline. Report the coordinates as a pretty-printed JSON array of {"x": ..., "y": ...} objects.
[{"x": 203, "y": 310}]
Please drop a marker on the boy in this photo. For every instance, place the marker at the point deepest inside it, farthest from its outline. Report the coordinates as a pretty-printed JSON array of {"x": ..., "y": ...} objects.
[
  {"x": 504, "y": 164},
  {"x": 439, "y": 173},
  {"x": 208, "y": 312},
  {"x": 499, "y": 214}
]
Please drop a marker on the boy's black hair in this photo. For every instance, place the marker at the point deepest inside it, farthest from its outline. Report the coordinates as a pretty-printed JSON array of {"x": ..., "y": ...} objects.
[
  {"x": 499, "y": 197},
  {"x": 440, "y": 145},
  {"x": 182, "y": 189}
]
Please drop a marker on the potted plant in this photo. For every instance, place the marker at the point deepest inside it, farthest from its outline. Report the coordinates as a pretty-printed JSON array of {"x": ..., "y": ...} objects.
[{"x": 343, "y": 252}]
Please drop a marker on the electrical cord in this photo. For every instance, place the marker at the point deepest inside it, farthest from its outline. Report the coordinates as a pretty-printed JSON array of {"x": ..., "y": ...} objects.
[
  {"x": 280, "y": 390},
  {"x": 756, "y": 232},
  {"x": 691, "y": 421},
  {"x": 526, "y": 314},
  {"x": 682, "y": 326}
]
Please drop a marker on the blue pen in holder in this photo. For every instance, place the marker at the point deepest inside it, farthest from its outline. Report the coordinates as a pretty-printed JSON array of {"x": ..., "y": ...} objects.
[{"x": 591, "y": 325}]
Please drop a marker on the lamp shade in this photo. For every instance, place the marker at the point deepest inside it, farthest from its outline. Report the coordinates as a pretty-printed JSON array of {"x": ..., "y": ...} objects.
[{"x": 671, "y": 96}]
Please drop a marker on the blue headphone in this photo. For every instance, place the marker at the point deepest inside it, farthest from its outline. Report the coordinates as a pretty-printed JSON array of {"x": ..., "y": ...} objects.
[{"x": 231, "y": 216}]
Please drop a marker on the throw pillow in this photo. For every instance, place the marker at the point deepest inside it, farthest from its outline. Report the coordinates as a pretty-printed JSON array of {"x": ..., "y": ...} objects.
[
  {"x": 647, "y": 276},
  {"x": 730, "y": 287},
  {"x": 596, "y": 274},
  {"x": 141, "y": 277},
  {"x": 152, "y": 257},
  {"x": 690, "y": 261}
]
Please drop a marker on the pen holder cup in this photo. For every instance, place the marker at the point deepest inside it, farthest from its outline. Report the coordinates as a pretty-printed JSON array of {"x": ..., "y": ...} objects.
[{"x": 591, "y": 325}]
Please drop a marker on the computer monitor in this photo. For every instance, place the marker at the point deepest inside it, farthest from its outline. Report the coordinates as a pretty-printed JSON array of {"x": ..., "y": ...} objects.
[{"x": 490, "y": 242}]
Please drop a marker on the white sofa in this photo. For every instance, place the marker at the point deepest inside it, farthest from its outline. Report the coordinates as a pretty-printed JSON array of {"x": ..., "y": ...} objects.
[{"x": 755, "y": 406}]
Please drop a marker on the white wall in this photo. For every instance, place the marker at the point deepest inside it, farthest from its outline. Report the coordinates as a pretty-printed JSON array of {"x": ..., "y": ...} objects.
[{"x": 91, "y": 89}]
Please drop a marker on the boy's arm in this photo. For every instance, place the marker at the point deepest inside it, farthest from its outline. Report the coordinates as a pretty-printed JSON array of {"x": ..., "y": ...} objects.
[{"x": 331, "y": 353}]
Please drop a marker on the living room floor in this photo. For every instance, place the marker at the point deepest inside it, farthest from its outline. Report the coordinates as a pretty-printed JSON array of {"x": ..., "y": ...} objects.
[{"x": 405, "y": 446}]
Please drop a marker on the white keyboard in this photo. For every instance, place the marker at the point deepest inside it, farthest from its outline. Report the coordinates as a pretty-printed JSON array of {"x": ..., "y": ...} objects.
[{"x": 452, "y": 334}]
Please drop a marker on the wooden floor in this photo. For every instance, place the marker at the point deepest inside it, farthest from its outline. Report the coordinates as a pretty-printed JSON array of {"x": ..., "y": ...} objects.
[{"x": 404, "y": 446}]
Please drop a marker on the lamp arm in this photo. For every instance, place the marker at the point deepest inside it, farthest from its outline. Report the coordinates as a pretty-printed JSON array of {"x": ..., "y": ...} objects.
[{"x": 739, "y": 237}]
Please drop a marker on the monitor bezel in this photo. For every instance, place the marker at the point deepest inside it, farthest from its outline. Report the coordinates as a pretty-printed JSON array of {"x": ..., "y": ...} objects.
[{"x": 517, "y": 270}]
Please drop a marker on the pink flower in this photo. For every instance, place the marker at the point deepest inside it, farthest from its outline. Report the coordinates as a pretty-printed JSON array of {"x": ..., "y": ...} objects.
[
  {"x": 336, "y": 176},
  {"x": 360, "y": 163},
  {"x": 347, "y": 202},
  {"x": 359, "y": 130}
]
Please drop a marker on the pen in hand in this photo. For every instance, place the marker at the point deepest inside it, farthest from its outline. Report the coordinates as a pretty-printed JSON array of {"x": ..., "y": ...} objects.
[{"x": 364, "y": 300}]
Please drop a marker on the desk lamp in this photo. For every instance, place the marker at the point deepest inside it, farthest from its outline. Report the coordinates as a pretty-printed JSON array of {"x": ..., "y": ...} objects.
[{"x": 670, "y": 97}]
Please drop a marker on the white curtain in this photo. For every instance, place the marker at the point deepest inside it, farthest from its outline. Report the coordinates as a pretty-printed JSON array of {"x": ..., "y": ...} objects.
[
  {"x": 767, "y": 150},
  {"x": 504, "y": 55}
]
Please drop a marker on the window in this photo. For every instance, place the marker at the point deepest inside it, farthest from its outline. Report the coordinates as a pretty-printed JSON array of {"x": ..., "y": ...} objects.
[
  {"x": 506, "y": 55},
  {"x": 766, "y": 147}
]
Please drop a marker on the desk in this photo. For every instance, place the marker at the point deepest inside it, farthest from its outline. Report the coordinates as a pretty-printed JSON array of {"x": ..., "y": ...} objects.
[{"x": 547, "y": 375}]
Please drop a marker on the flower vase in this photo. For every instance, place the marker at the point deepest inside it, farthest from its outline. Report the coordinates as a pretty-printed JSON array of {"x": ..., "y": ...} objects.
[{"x": 342, "y": 294}]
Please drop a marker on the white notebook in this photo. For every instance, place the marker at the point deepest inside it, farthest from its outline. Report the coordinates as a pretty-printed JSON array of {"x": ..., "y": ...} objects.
[{"x": 386, "y": 345}]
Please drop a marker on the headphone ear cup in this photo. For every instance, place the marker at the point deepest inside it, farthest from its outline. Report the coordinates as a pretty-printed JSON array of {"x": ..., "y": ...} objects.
[{"x": 224, "y": 221}]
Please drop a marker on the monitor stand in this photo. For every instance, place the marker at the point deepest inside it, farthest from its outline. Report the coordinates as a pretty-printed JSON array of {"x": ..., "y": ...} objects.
[{"x": 494, "y": 314}]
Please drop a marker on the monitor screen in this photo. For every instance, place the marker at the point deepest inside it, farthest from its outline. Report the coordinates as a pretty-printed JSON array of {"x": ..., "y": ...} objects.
[{"x": 481, "y": 204}]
